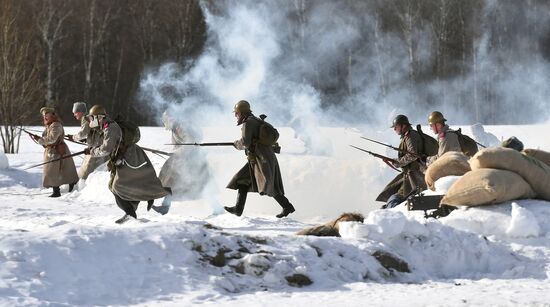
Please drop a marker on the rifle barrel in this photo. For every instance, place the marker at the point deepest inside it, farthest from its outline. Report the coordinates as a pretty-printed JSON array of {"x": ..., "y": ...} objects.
[
  {"x": 203, "y": 144},
  {"x": 55, "y": 160},
  {"x": 156, "y": 151}
]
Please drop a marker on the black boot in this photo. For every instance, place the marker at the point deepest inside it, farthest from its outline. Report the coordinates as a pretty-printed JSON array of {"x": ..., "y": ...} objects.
[
  {"x": 288, "y": 208},
  {"x": 241, "y": 200},
  {"x": 71, "y": 186},
  {"x": 123, "y": 219},
  {"x": 56, "y": 192}
]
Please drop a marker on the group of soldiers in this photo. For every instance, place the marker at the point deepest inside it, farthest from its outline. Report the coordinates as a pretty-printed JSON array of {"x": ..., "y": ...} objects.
[
  {"x": 413, "y": 160},
  {"x": 133, "y": 178}
]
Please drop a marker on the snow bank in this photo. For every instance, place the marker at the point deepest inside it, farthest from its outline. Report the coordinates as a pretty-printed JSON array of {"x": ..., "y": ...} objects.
[{"x": 4, "y": 164}]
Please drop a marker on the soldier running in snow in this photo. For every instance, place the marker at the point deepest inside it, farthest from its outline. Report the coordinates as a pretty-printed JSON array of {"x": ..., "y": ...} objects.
[
  {"x": 261, "y": 173},
  {"x": 133, "y": 178},
  {"x": 185, "y": 174},
  {"x": 447, "y": 141},
  {"x": 92, "y": 137},
  {"x": 60, "y": 172},
  {"x": 409, "y": 161}
]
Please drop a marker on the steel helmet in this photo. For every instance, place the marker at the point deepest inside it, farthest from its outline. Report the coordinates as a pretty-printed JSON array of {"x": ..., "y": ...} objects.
[
  {"x": 242, "y": 107},
  {"x": 400, "y": 120},
  {"x": 436, "y": 117},
  {"x": 97, "y": 110}
]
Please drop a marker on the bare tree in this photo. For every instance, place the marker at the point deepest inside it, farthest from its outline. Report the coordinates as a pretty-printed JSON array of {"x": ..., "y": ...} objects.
[
  {"x": 50, "y": 20},
  {"x": 408, "y": 17},
  {"x": 94, "y": 33},
  {"x": 20, "y": 84}
]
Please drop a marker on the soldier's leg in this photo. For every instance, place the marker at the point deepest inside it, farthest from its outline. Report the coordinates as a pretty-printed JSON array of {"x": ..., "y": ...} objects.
[
  {"x": 56, "y": 192},
  {"x": 241, "y": 200},
  {"x": 393, "y": 201},
  {"x": 129, "y": 207},
  {"x": 288, "y": 208}
]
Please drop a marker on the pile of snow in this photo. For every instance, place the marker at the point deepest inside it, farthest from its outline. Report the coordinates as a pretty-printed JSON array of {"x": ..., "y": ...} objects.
[{"x": 4, "y": 164}]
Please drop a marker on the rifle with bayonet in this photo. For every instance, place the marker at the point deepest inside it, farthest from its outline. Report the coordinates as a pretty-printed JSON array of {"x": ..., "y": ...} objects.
[
  {"x": 203, "y": 144},
  {"x": 36, "y": 136},
  {"x": 57, "y": 159},
  {"x": 156, "y": 151},
  {"x": 414, "y": 154},
  {"x": 386, "y": 160}
]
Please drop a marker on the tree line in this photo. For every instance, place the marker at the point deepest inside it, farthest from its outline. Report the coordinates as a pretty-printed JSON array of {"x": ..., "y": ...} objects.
[{"x": 56, "y": 52}]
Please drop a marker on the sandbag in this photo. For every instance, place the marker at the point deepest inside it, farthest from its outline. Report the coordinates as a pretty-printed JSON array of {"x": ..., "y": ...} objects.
[
  {"x": 487, "y": 186},
  {"x": 451, "y": 163},
  {"x": 541, "y": 155},
  {"x": 535, "y": 172}
]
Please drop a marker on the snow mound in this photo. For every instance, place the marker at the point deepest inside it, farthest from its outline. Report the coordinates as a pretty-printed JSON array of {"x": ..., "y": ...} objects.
[
  {"x": 4, "y": 163},
  {"x": 523, "y": 223}
]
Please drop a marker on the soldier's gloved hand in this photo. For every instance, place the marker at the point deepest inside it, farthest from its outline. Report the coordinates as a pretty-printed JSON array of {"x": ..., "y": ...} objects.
[
  {"x": 87, "y": 150},
  {"x": 70, "y": 137}
]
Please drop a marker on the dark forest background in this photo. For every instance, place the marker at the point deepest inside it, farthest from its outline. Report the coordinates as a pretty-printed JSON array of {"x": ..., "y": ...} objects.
[{"x": 56, "y": 52}]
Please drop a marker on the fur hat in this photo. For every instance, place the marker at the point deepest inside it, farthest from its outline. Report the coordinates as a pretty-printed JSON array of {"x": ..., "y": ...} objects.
[{"x": 80, "y": 107}]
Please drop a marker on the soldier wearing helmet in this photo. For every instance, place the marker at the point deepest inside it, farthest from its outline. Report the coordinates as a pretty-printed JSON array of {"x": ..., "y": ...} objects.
[
  {"x": 60, "y": 172},
  {"x": 409, "y": 161},
  {"x": 513, "y": 143},
  {"x": 133, "y": 178},
  {"x": 92, "y": 137},
  {"x": 447, "y": 140},
  {"x": 261, "y": 173}
]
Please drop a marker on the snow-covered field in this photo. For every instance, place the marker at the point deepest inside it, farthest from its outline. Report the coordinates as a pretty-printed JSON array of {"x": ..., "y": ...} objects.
[{"x": 68, "y": 251}]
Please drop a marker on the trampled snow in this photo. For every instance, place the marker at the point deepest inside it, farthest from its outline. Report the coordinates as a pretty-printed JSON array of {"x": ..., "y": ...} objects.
[{"x": 68, "y": 251}]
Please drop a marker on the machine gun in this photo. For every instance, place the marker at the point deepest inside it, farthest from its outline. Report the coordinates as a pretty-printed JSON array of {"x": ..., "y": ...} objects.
[{"x": 418, "y": 201}]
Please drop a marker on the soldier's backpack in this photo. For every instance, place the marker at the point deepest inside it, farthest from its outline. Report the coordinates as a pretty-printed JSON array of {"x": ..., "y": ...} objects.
[
  {"x": 130, "y": 134},
  {"x": 268, "y": 135},
  {"x": 467, "y": 144},
  {"x": 430, "y": 147}
]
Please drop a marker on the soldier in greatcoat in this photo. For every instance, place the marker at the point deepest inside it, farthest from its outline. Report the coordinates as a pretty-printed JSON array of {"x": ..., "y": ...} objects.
[
  {"x": 261, "y": 173},
  {"x": 133, "y": 178},
  {"x": 185, "y": 173},
  {"x": 409, "y": 160},
  {"x": 60, "y": 172},
  {"x": 92, "y": 137}
]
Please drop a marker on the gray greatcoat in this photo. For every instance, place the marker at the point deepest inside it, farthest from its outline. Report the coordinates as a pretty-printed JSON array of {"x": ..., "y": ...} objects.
[
  {"x": 60, "y": 172},
  {"x": 133, "y": 177},
  {"x": 93, "y": 138},
  {"x": 261, "y": 173}
]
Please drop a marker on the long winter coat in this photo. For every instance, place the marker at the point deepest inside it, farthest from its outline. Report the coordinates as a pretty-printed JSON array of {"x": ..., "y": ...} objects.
[
  {"x": 60, "y": 172},
  {"x": 93, "y": 138},
  {"x": 261, "y": 173},
  {"x": 412, "y": 176},
  {"x": 133, "y": 177}
]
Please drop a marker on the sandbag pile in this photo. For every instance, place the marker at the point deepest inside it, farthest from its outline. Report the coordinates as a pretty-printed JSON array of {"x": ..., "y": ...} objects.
[
  {"x": 331, "y": 229},
  {"x": 538, "y": 154},
  {"x": 487, "y": 186},
  {"x": 500, "y": 174},
  {"x": 452, "y": 163}
]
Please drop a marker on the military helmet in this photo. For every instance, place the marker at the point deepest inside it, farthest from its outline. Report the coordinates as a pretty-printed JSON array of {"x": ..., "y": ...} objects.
[
  {"x": 514, "y": 143},
  {"x": 436, "y": 117},
  {"x": 400, "y": 120},
  {"x": 45, "y": 110},
  {"x": 242, "y": 107},
  {"x": 97, "y": 110}
]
